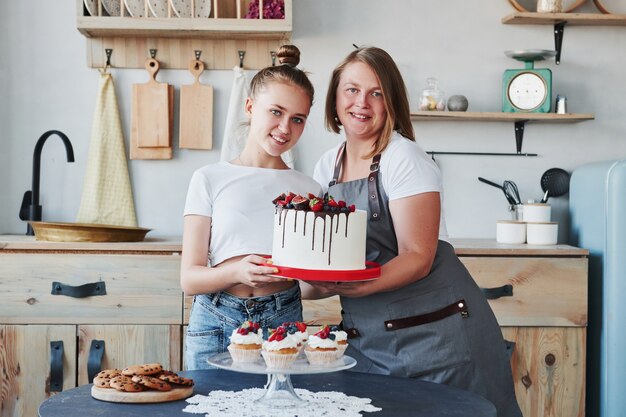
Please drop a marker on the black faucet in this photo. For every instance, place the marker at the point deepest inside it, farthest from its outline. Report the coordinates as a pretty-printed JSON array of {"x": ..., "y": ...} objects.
[{"x": 31, "y": 210}]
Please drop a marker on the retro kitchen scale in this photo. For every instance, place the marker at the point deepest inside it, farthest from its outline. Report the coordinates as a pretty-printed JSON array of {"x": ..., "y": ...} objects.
[{"x": 527, "y": 90}]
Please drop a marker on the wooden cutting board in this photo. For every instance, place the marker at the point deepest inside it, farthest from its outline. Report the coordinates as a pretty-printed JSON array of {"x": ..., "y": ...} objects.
[
  {"x": 196, "y": 112},
  {"x": 152, "y": 117},
  {"x": 113, "y": 395}
]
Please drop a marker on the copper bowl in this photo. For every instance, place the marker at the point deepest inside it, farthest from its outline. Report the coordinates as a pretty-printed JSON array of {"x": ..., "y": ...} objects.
[{"x": 86, "y": 232}]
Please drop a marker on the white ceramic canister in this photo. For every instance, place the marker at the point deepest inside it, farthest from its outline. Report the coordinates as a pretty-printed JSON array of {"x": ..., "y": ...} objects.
[
  {"x": 549, "y": 6},
  {"x": 537, "y": 212},
  {"x": 545, "y": 233},
  {"x": 510, "y": 232}
]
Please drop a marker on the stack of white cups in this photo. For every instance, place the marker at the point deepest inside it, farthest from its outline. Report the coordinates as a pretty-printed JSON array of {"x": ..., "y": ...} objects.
[{"x": 534, "y": 229}]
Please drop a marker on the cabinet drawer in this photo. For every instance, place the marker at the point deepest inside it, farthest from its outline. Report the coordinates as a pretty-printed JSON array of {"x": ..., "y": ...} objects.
[
  {"x": 546, "y": 291},
  {"x": 139, "y": 288}
]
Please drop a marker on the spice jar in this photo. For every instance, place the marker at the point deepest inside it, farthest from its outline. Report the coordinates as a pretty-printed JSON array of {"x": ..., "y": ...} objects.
[
  {"x": 432, "y": 98},
  {"x": 549, "y": 6}
]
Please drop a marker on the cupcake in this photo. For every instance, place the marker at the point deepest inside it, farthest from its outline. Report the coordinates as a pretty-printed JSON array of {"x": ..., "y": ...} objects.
[
  {"x": 245, "y": 342},
  {"x": 321, "y": 348},
  {"x": 341, "y": 338},
  {"x": 297, "y": 330},
  {"x": 280, "y": 350}
]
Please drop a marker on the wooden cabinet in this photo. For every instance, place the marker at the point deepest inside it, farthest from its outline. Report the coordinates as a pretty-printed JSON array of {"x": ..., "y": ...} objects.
[
  {"x": 219, "y": 36},
  {"x": 134, "y": 314},
  {"x": 544, "y": 311}
]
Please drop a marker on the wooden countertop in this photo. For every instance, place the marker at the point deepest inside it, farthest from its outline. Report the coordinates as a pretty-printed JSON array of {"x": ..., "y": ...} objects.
[{"x": 463, "y": 247}]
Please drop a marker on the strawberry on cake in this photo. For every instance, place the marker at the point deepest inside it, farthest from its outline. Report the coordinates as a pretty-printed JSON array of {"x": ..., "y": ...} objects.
[
  {"x": 279, "y": 350},
  {"x": 318, "y": 233},
  {"x": 246, "y": 342},
  {"x": 321, "y": 348},
  {"x": 297, "y": 330}
]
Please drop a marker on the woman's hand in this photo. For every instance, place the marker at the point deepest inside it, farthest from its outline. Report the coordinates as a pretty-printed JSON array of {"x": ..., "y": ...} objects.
[
  {"x": 253, "y": 271},
  {"x": 345, "y": 289}
]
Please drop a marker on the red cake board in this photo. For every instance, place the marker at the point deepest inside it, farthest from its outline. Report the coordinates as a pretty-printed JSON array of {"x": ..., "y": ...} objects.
[{"x": 371, "y": 271}]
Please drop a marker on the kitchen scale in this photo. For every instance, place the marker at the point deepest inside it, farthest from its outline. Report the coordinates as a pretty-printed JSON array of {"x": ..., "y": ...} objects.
[{"x": 527, "y": 90}]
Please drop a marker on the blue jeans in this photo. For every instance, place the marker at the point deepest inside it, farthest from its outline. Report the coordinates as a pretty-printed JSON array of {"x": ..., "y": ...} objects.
[{"x": 213, "y": 318}]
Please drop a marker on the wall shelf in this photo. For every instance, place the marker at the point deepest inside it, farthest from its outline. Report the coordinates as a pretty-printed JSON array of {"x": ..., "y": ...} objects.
[
  {"x": 560, "y": 20},
  {"x": 519, "y": 120},
  {"x": 219, "y": 37}
]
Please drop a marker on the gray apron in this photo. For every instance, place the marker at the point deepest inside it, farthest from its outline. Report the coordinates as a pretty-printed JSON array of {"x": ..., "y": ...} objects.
[{"x": 439, "y": 328}]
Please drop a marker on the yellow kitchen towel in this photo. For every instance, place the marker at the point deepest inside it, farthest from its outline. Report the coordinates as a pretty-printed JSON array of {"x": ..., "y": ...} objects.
[{"x": 107, "y": 194}]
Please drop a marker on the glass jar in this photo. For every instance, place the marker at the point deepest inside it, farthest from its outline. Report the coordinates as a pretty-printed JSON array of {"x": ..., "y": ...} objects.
[{"x": 432, "y": 98}]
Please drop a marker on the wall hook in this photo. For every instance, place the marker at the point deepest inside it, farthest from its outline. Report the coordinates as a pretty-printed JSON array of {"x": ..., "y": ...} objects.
[
  {"x": 153, "y": 53},
  {"x": 241, "y": 55},
  {"x": 108, "y": 52},
  {"x": 273, "y": 56},
  {"x": 198, "y": 53},
  {"x": 355, "y": 47}
]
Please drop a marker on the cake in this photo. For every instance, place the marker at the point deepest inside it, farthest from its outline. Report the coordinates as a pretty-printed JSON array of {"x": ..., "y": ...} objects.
[
  {"x": 321, "y": 348},
  {"x": 341, "y": 338},
  {"x": 318, "y": 234},
  {"x": 246, "y": 342},
  {"x": 297, "y": 330},
  {"x": 279, "y": 350}
]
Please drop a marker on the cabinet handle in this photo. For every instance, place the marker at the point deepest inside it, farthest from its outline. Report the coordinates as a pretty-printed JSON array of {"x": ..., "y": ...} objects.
[
  {"x": 497, "y": 292},
  {"x": 56, "y": 366},
  {"x": 94, "y": 361},
  {"x": 79, "y": 291}
]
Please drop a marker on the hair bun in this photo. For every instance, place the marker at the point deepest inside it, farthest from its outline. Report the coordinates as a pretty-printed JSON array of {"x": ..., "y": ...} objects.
[{"x": 289, "y": 55}]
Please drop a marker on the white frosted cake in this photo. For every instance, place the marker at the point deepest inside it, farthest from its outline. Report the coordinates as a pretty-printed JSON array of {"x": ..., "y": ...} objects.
[{"x": 311, "y": 234}]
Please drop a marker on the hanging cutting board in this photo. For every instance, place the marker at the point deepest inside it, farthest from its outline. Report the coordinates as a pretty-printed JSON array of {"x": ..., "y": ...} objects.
[
  {"x": 196, "y": 112},
  {"x": 152, "y": 117}
]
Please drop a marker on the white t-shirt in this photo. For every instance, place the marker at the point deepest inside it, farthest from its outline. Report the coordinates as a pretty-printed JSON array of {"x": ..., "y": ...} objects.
[
  {"x": 405, "y": 170},
  {"x": 238, "y": 199}
]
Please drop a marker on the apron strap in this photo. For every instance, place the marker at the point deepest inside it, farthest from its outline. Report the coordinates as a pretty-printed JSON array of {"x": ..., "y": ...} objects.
[
  {"x": 459, "y": 306},
  {"x": 372, "y": 182},
  {"x": 338, "y": 163}
]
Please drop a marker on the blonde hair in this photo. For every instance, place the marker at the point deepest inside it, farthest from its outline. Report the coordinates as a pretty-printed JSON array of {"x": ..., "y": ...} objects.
[
  {"x": 287, "y": 72},
  {"x": 394, "y": 93}
]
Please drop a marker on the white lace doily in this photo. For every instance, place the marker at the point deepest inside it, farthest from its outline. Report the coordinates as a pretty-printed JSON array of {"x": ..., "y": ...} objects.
[{"x": 241, "y": 403}]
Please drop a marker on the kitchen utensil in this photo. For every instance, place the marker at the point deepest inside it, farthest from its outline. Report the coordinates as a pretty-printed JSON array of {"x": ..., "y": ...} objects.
[
  {"x": 86, "y": 232},
  {"x": 555, "y": 183},
  {"x": 152, "y": 117},
  {"x": 531, "y": 5},
  {"x": 527, "y": 90},
  {"x": 493, "y": 184},
  {"x": 510, "y": 188},
  {"x": 196, "y": 111}
]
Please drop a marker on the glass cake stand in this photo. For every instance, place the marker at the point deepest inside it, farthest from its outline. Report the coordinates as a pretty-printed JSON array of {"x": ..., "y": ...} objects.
[{"x": 279, "y": 392}]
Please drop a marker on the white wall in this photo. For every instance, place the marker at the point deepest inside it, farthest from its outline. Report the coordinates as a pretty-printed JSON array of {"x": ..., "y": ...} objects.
[{"x": 45, "y": 84}]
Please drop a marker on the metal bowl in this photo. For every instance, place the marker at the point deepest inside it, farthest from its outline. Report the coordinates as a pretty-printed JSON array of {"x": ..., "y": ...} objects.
[{"x": 85, "y": 232}]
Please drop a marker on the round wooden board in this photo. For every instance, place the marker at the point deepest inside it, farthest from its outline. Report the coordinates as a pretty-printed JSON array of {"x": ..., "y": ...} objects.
[{"x": 115, "y": 396}]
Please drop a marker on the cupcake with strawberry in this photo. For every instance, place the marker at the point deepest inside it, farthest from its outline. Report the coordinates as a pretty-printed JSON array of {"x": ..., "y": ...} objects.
[
  {"x": 280, "y": 350},
  {"x": 297, "y": 330},
  {"x": 246, "y": 342},
  {"x": 341, "y": 338},
  {"x": 321, "y": 348}
]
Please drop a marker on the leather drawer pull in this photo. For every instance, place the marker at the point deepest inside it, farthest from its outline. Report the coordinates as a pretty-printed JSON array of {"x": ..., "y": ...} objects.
[
  {"x": 94, "y": 361},
  {"x": 454, "y": 308},
  {"x": 56, "y": 366},
  {"x": 79, "y": 291},
  {"x": 497, "y": 292}
]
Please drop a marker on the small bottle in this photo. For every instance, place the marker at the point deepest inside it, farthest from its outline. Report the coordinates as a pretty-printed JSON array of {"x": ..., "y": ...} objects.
[{"x": 561, "y": 104}]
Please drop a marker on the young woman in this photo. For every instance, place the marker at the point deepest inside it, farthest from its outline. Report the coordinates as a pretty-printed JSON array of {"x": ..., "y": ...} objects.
[
  {"x": 229, "y": 218},
  {"x": 424, "y": 317}
]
